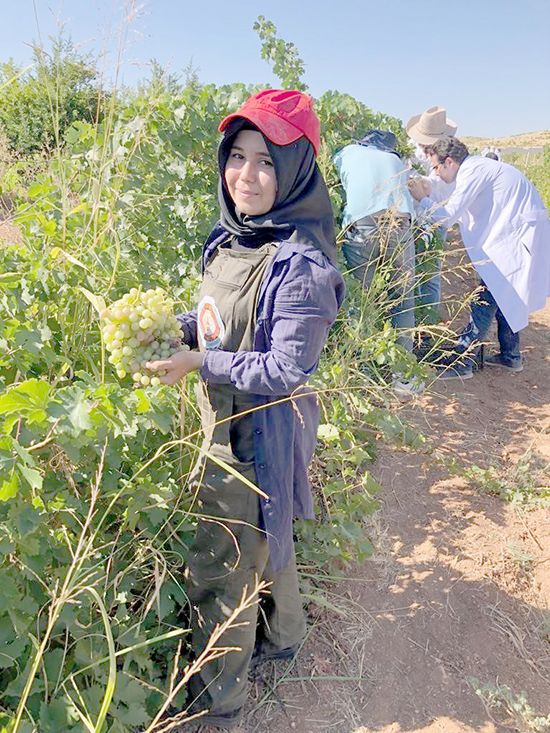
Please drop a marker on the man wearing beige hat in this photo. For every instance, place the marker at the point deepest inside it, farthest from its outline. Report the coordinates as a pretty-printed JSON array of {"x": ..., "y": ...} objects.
[
  {"x": 425, "y": 129},
  {"x": 431, "y": 125}
]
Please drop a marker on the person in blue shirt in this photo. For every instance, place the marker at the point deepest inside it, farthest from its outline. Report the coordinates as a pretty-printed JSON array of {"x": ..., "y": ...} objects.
[
  {"x": 270, "y": 292},
  {"x": 377, "y": 220},
  {"x": 377, "y": 226}
]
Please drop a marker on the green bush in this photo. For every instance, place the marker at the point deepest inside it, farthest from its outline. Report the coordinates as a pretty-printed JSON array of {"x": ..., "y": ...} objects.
[
  {"x": 536, "y": 166},
  {"x": 38, "y": 104}
]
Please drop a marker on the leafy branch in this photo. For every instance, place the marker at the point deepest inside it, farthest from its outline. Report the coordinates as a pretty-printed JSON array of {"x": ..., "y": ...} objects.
[{"x": 288, "y": 67}]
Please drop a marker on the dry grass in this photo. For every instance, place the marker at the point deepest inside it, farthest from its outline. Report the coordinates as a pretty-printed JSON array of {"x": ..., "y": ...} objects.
[
  {"x": 525, "y": 140},
  {"x": 336, "y": 651},
  {"x": 526, "y": 638}
]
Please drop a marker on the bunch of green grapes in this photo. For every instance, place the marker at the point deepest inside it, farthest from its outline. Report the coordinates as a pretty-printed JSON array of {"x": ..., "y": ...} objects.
[{"x": 138, "y": 328}]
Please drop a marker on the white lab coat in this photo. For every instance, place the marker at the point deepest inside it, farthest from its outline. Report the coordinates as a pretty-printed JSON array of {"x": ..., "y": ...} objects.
[{"x": 506, "y": 232}]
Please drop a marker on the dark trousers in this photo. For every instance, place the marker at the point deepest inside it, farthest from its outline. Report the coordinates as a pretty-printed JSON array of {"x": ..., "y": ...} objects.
[
  {"x": 230, "y": 553},
  {"x": 482, "y": 312},
  {"x": 384, "y": 240}
]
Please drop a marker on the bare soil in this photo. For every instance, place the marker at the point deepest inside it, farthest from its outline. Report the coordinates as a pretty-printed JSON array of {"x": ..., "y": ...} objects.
[
  {"x": 457, "y": 592},
  {"x": 9, "y": 233}
]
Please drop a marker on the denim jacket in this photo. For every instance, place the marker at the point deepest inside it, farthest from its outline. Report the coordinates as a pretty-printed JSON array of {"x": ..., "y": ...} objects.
[{"x": 298, "y": 301}]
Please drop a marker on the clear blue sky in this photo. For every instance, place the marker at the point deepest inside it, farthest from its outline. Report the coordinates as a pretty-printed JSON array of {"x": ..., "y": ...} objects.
[{"x": 486, "y": 61}]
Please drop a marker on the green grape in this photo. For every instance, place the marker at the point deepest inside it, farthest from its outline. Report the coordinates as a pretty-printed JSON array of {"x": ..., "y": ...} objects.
[{"x": 138, "y": 328}]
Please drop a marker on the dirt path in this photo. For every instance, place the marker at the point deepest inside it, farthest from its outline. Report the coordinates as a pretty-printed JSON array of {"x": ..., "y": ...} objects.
[{"x": 458, "y": 589}]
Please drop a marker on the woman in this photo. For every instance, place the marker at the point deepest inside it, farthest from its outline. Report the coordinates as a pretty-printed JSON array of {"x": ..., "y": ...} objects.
[{"x": 270, "y": 292}]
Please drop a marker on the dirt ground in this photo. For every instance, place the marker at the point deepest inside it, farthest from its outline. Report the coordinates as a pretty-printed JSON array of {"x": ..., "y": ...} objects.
[
  {"x": 8, "y": 233},
  {"x": 456, "y": 596}
]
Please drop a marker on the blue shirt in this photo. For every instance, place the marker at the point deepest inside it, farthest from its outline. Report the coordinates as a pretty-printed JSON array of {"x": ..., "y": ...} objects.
[
  {"x": 298, "y": 301},
  {"x": 373, "y": 180}
]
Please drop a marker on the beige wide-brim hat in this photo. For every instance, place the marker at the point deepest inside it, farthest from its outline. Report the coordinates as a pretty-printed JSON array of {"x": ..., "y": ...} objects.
[{"x": 430, "y": 126}]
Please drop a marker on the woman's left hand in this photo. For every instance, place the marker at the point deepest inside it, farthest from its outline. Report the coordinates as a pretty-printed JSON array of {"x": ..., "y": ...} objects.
[{"x": 177, "y": 366}]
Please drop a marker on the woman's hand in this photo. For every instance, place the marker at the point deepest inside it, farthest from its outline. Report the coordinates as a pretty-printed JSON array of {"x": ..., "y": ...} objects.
[
  {"x": 177, "y": 366},
  {"x": 419, "y": 187}
]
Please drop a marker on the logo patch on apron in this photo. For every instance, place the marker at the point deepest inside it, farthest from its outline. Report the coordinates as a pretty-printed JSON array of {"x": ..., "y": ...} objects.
[{"x": 210, "y": 325}]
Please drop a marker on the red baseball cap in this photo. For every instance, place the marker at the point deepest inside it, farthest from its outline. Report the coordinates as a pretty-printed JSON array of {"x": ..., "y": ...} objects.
[{"x": 282, "y": 115}]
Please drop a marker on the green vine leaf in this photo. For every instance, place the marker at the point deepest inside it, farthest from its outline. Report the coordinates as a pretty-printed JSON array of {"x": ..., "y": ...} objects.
[{"x": 9, "y": 488}]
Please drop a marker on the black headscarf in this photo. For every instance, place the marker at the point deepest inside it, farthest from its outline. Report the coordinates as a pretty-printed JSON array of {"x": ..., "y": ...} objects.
[
  {"x": 302, "y": 211},
  {"x": 381, "y": 140}
]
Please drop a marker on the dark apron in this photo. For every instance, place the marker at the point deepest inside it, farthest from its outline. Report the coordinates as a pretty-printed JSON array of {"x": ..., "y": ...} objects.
[{"x": 230, "y": 550}]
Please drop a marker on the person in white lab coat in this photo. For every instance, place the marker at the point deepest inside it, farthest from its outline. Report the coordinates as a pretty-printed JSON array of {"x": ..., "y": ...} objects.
[
  {"x": 506, "y": 231},
  {"x": 424, "y": 130}
]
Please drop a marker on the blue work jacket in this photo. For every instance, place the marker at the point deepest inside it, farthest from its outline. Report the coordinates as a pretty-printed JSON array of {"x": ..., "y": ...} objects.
[{"x": 299, "y": 298}]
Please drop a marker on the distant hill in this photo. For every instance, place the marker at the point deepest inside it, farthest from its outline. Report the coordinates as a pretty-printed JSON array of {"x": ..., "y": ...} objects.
[{"x": 525, "y": 141}]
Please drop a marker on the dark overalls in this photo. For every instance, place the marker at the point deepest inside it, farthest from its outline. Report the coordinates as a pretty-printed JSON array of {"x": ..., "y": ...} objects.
[{"x": 230, "y": 550}]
